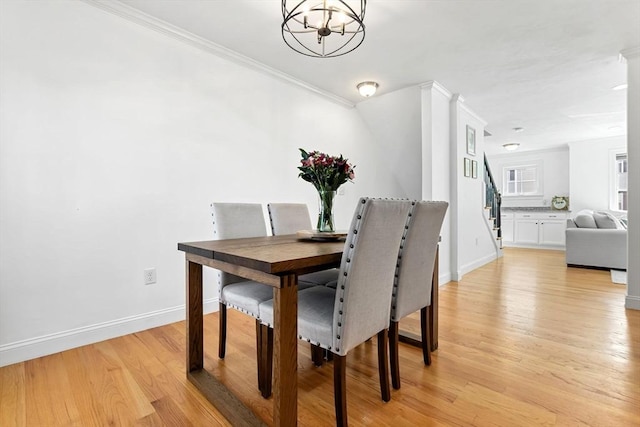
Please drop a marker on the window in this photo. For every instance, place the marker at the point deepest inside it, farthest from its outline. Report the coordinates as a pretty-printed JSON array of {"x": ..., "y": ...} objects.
[
  {"x": 521, "y": 181},
  {"x": 619, "y": 200}
]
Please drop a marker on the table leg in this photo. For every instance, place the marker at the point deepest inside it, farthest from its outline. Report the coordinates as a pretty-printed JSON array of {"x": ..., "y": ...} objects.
[
  {"x": 285, "y": 352},
  {"x": 195, "y": 356}
]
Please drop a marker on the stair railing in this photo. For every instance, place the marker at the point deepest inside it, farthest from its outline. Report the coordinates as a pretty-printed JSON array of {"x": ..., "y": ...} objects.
[{"x": 493, "y": 199}]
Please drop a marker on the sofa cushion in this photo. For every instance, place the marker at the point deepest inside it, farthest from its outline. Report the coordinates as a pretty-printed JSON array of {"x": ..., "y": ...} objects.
[
  {"x": 585, "y": 221},
  {"x": 607, "y": 220}
]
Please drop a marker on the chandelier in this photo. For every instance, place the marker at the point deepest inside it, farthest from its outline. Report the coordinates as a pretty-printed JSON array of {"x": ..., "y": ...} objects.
[{"x": 323, "y": 28}]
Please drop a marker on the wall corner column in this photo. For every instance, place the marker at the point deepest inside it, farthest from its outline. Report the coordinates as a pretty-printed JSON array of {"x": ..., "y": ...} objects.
[{"x": 632, "y": 57}]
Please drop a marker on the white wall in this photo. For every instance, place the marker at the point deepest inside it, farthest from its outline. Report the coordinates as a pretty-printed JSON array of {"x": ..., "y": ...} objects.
[
  {"x": 555, "y": 178},
  {"x": 436, "y": 182},
  {"x": 633, "y": 152},
  {"x": 589, "y": 165},
  {"x": 472, "y": 244},
  {"x": 114, "y": 139},
  {"x": 393, "y": 121}
]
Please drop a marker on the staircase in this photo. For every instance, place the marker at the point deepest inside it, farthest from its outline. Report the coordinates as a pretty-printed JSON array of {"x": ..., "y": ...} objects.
[{"x": 492, "y": 202}]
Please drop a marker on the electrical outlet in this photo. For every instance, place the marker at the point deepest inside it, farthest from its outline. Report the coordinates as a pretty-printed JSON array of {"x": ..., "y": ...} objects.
[
  {"x": 341, "y": 191},
  {"x": 149, "y": 276}
]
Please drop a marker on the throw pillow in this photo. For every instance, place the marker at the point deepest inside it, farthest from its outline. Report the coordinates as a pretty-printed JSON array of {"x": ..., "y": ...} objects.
[
  {"x": 607, "y": 221},
  {"x": 585, "y": 221}
]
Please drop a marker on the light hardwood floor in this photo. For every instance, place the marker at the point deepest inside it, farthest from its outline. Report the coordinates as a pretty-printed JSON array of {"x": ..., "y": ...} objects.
[{"x": 524, "y": 341}]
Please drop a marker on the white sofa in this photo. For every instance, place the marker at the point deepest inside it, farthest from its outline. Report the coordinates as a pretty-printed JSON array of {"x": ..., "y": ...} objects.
[{"x": 588, "y": 245}]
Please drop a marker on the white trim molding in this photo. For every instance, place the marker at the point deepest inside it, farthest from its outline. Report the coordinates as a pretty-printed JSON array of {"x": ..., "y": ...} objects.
[
  {"x": 467, "y": 268},
  {"x": 434, "y": 85},
  {"x": 60, "y": 341},
  {"x": 138, "y": 17},
  {"x": 630, "y": 53}
]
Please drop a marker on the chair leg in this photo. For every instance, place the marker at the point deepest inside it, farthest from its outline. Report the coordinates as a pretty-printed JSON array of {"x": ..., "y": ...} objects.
[
  {"x": 393, "y": 355},
  {"x": 317, "y": 355},
  {"x": 265, "y": 358},
  {"x": 340, "y": 389},
  {"x": 259, "y": 354},
  {"x": 222, "y": 335},
  {"x": 383, "y": 365},
  {"x": 426, "y": 336},
  {"x": 328, "y": 356}
]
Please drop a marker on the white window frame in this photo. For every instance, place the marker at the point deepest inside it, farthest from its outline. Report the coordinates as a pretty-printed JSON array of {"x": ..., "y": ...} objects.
[
  {"x": 538, "y": 167},
  {"x": 613, "y": 178}
]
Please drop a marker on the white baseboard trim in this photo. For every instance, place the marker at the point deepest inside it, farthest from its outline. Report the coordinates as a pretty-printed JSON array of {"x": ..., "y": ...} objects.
[
  {"x": 443, "y": 279},
  {"x": 475, "y": 264},
  {"x": 31, "y": 348},
  {"x": 632, "y": 302},
  {"x": 533, "y": 246}
]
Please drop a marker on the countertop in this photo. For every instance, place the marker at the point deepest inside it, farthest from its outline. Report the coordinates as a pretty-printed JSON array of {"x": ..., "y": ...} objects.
[{"x": 531, "y": 209}]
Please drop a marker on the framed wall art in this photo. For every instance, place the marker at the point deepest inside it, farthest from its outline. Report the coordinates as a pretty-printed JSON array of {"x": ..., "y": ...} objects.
[
  {"x": 474, "y": 169},
  {"x": 471, "y": 141},
  {"x": 467, "y": 166}
]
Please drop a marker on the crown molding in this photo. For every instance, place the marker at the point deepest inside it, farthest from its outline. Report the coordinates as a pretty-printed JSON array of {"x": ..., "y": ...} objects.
[
  {"x": 460, "y": 100},
  {"x": 138, "y": 17},
  {"x": 457, "y": 98},
  {"x": 434, "y": 85},
  {"x": 630, "y": 53}
]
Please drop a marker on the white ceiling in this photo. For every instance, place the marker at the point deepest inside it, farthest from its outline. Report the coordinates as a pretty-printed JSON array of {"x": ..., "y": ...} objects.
[{"x": 545, "y": 65}]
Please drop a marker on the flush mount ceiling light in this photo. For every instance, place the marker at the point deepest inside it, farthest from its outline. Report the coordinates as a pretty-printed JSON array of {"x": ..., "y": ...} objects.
[
  {"x": 620, "y": 87},
  {"x": 367, "y": 89},
  {"x": 512, "y": 146},
  {"x": 323, "y": 28}
]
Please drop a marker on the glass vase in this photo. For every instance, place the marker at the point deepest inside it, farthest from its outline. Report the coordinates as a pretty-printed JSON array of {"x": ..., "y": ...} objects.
[{"x": 325, "y": 210}]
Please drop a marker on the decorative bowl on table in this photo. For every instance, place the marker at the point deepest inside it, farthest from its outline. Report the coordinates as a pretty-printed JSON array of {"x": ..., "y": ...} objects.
[{"x": 321, "y": 235}]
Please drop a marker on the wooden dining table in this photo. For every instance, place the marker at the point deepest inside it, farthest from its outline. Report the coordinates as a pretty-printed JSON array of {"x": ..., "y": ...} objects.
[{"x": 276, "y": 261}]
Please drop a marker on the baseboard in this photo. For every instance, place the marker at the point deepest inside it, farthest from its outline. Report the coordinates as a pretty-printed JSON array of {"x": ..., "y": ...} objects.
[
  {"x": 476, "y": 264},
  {"x": 443, "y": 279},
  {"x": 632, "y": 302},
  {"x": 533, "y": 246},
  {"x": 60, "y": 341}
]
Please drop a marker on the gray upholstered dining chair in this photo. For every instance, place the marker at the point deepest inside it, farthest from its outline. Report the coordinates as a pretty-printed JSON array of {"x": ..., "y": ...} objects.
[
  {"x": 288, "y": 218},
  {"x": 340, "y": 319},
  {"x": 413, "y": 281},
  {"x": 234, "y": 221}
]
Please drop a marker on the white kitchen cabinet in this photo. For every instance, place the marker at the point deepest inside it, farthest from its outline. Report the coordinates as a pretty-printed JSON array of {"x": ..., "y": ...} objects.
[
  {"x": 535, "y": 229},
  {"x": 526, "y": 231},
  {"x": 552, "y": 232},
  {"x": 507, "y": 226}
]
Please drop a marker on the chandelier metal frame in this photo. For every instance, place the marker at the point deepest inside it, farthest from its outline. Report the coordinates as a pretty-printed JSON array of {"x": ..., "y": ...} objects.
[{"x": 325, "y": 18}]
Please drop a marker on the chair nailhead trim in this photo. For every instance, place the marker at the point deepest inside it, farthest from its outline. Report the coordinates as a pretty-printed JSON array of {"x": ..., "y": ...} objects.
[{"x": 397, "y": 273}]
